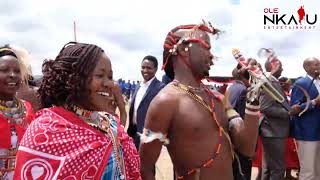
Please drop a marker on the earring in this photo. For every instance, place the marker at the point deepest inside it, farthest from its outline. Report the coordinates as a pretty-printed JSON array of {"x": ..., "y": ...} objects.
[{"x": 186, "y": 49}]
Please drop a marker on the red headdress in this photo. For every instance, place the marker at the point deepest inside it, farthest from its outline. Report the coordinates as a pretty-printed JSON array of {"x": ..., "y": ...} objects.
[{"x": 173, "y": 41}]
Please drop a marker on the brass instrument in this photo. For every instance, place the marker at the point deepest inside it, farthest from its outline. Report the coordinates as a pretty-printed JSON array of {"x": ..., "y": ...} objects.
[
  {"x": 258, "y": 80},
  {"x": 264, "y": 84}
]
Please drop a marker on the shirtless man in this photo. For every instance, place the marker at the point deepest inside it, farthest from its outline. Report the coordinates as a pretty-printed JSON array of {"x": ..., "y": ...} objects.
[{"x": 198, "y": 140}]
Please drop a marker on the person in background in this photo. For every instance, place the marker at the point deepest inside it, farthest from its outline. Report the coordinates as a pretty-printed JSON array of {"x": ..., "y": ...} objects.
[
  {"x": 291, "y": 156},
  {"x": 28, "y": 89},
  {"x": 274, "y": 128},
  {"x": 305, "y": 128},
  {"x": 15, "y": 114},
  {"x": 143, "y": 96},
  {"x": 237, "y": 97},
  {"x": 121, "y": 84},
  {"x": 128, "y": 89}
]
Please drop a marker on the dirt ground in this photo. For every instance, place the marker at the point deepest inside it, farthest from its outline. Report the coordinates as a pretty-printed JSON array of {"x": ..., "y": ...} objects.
[{"x": 164, "y": 168}]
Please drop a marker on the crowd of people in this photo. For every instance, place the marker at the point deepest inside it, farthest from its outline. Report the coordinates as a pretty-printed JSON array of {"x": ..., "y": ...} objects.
[
  {"x": 67, "y": 127},
  {"x": 128, "y": 88}
]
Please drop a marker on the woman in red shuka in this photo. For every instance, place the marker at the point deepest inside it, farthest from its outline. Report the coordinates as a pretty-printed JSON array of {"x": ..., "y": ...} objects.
[{"x": 15, "y": 114}]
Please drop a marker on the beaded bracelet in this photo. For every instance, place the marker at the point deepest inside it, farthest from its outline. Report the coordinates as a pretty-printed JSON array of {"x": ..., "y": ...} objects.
[
  {"x": 233, "y": 117},
  {"x": 255, "y": 107},
  {"x": 235, "y": 122},
  {"x": 148, "y": 136},
  {"x": 253, "y": 113}
]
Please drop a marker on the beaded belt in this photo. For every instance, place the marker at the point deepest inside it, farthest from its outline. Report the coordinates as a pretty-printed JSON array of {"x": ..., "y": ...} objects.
[{"x": 8, "y": 161}]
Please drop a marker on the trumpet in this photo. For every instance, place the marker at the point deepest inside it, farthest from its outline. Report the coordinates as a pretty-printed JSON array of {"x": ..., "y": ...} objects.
[
  {"x": 264, "y": 84},
  {"x": 258, "y": 80}
]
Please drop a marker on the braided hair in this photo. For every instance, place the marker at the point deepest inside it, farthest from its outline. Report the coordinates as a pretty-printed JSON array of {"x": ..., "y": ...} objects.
[
  {"x": 169, "y": 42},
  {"x": 65, "y": 79}
]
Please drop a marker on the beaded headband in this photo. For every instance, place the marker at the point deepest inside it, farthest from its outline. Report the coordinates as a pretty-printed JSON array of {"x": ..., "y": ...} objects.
[
  {"x": 7, "y": 51},
  {"x": 189, "y": 37}
]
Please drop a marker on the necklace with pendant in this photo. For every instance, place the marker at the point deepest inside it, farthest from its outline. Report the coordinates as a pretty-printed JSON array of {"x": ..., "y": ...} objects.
[{"x": 192, "y": 94}]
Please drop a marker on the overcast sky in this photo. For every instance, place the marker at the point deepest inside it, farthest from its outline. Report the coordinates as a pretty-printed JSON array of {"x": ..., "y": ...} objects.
[{"x": 129, "y": 30}]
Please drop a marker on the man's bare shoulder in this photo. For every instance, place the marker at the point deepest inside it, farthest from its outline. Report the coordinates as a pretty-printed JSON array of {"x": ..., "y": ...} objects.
[
  {"x": 164, "y": 101},
  {"x": 168, "y": 95}
]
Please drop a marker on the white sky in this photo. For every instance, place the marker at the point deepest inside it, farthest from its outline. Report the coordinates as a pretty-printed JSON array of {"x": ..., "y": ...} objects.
[{"x": 129, "y": 30}]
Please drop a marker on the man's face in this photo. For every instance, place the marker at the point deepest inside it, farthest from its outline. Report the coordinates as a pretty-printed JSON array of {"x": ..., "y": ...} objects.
[
  {"x": 253, "y": 62},
  {"x": 10, "y": 76},
  {"x": 200, "y": 56},
  {"x": 100, "y": 85},
  {"x": 278, "y": 71},
  {"x": 313, "y": 67},
  {"x": 148, "y": 69},
  {"x": 286, "y": 86}
]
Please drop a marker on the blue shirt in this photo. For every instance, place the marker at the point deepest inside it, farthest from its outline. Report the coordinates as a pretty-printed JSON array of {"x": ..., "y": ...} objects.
[{"x": 237, "y": 97}]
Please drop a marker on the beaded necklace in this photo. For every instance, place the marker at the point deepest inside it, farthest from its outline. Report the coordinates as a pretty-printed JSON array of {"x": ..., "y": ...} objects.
[
  {"x": 14, "y": 111},
  {"x": 101, "y": 122},
  {"x": 191, "y": 88},
  {"x": 181, "y": 87}
]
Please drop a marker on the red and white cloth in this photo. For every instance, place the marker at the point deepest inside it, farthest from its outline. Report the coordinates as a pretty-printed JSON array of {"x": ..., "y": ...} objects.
[
  {"x": 60, "y": 145},
  {"x": 11, "y": 134},
  {"x": 5, "y": 127}
]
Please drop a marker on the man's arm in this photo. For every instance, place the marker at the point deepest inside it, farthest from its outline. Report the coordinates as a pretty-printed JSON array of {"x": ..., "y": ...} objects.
[
  {"x": 244, "y": 133},
  {"x": 297, "y": 98},
  {"x": 159, "y": 116}
]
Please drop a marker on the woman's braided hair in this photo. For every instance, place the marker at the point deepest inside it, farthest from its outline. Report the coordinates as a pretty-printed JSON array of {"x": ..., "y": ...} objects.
[{"x": 65, "y": 79}]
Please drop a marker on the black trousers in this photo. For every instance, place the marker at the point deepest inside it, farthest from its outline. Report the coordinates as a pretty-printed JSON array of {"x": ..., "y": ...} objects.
[
  {"x": 273, "y": 158},
  {"x": 136, "y": 140},
  {"x": 246, "y": 165}
]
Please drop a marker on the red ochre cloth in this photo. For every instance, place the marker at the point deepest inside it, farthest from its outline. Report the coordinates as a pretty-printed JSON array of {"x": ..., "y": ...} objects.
[
  {"x": 291, "y": 156},
  {"x": 60, "y": 145},
  {"x": 5, "y": 137}
]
